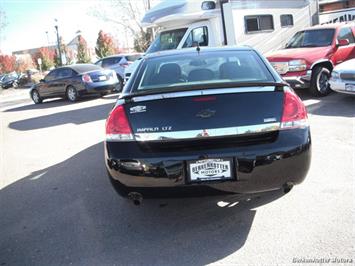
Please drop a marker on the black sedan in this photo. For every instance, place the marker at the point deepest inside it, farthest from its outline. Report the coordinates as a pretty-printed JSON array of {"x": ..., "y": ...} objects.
[
  {"x": 205, "y": 121},
  {"x": 74, "y": 81}
]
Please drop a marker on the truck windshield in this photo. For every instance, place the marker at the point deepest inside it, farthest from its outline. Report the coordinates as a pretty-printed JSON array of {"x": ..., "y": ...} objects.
[
  {"x": 210, "y": 68},
  {"x": 312, "y": 38},
  {"x": 167, "y": 40}
]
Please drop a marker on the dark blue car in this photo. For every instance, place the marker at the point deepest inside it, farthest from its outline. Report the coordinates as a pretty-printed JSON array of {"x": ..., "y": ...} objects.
[{"x": 74, "y": 81}]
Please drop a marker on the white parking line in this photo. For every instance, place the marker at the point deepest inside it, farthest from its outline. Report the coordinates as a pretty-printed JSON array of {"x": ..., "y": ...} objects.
[{"x": 310, "y": 102}]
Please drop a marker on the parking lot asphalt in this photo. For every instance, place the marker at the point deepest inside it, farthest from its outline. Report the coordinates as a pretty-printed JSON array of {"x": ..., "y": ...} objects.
[{"x": 57, "y": 206}]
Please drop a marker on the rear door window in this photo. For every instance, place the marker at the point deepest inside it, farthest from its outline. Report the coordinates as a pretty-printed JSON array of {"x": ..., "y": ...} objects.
[{"x": 107, "y": 62}]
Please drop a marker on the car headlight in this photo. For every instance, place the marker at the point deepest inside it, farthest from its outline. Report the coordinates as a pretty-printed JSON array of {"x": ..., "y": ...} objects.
[
  {"x": 297, "y": 65},
  {"x": 335, "y": 75}
]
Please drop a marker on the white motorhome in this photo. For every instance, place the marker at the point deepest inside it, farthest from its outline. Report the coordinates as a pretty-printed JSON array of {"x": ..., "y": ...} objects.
[{"x": 265, "y": 25}]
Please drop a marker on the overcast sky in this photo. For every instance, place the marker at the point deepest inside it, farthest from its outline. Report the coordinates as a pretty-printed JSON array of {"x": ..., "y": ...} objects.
[{"x": 28, "y": 22}]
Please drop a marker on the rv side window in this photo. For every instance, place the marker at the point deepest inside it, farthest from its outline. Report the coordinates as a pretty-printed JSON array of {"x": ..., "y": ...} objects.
[
  {"x": 198, "y": 36},
  {"x": 259, "y": 23},
  {"x": 286, "y": 20}
]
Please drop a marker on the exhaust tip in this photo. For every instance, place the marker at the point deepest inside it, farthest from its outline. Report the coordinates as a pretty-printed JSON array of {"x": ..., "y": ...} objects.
[
  {"x": 136, "y": 198},
  {"x": 287, "y": 187}
]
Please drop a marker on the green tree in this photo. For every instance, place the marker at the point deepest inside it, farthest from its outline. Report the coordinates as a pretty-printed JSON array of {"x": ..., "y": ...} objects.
[
  {"x": 104, "y": 45},
  {"x": 83, "y": 55}
]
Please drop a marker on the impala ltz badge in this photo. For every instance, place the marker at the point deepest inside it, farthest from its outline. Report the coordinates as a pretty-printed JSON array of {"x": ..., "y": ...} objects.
[
  {"x": 207, "y": 113},
  {"x": 137, "y": 109}
]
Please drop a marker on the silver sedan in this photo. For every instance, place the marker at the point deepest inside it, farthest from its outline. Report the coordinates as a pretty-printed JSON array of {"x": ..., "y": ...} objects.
[{"x": 343, "y": 77}]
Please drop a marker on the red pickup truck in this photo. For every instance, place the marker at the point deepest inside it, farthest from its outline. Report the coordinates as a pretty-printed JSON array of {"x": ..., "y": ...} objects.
[{"x": 310, "y": 56}]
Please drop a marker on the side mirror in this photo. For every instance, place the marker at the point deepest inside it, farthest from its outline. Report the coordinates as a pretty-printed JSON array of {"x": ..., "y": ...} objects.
[
  {"x": 343, "y": 42},
  {"x": 42, "y": 80}
]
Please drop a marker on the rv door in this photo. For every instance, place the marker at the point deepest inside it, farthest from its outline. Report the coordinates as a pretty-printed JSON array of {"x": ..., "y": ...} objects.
[{"x": 198, "y": 34}]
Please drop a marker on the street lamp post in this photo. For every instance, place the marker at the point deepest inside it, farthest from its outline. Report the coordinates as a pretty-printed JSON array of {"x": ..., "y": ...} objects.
[{"x": 58, "y": 43}]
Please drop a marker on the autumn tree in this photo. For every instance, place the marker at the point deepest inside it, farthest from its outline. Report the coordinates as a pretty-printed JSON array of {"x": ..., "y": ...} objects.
[
  {"x": 23, "y": 63},
  {"x": 7, "y": 63},
  {"x": 83, "y": 52},
  {"x": 104, "y": 45},
  {"x": 47, "y": 56}
]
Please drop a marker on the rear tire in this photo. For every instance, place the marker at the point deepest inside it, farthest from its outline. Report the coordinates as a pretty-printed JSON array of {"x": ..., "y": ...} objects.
[
  {"x": 36, "y": 98},
  {"x": 72, "y": 94},
  {"x": 15, "y": 84},
  {"x": 320, "y": 81}
]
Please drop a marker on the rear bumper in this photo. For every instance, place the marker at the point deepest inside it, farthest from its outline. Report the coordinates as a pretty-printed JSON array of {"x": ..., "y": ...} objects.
[
  {"x": 95, "y": 89},
  {"x": 257, "y": 168},
  {"x": 299, "y": 82}
]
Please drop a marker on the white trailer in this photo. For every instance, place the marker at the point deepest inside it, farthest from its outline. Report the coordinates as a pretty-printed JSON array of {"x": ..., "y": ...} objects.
[{"x": 265, "y": 25}]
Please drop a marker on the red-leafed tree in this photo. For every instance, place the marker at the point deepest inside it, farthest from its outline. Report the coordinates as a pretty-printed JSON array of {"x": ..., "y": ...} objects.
[
  {"x": 7, "y": 63},
  {"x": 105, "y": 45},
  {"x": 47, "y": 56},
  {"x": 83, "y": 51},
  {"x": 23, "y": 63}
]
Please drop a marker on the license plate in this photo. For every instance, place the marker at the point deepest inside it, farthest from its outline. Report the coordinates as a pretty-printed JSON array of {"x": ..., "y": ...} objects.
[
  {"x": 102, "y": 78},
  {"x": 210, "y": 169},
  {"x": 350, "y": 87}
]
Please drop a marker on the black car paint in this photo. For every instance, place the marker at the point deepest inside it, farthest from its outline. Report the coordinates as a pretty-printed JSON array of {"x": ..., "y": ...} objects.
[{"x": 261, "y": 162}]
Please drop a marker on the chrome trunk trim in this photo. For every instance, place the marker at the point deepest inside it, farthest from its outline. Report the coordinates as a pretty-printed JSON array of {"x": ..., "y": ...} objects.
[{"x": 207, "y": 133}]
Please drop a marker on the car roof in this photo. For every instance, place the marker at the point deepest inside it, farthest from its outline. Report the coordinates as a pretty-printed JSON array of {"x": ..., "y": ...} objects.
[
  {"x": 120, "y": 55},
  {"x": 194, "y": 49},
  {"x": 81, "y": 68}
]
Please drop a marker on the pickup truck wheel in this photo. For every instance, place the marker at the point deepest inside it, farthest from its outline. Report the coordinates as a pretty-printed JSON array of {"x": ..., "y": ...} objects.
[{"x": 320, "y": 81}]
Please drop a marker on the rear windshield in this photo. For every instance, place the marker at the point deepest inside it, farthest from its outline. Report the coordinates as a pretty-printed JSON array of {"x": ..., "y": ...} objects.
[
  {"x": 184, "y": 70},
  {"x": 81, "y": 68},
  {"x": 312, "y": 38},
  {"x": 132, "y": 58}
]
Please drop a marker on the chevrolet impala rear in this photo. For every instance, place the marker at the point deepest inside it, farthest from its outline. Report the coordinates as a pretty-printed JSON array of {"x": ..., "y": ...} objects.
[{"x": 204, "y": 122}]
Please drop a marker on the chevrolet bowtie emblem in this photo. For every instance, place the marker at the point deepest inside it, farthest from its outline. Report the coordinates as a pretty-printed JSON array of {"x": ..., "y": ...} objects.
[{"x": 207, "y": 113}]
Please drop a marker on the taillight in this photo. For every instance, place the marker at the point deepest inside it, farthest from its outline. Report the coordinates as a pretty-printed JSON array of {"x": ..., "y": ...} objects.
[
  {"x": 86, "y": 78},
  {"x": 294, "y": 112},
  {"x": 117, "y": 125}
]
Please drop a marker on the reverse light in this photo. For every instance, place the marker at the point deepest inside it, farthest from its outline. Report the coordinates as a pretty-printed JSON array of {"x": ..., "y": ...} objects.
[
  {"x": 297, "y": 65},
  {"x": 294, "y": 112},
  {"x": 86, "y": 78},
  {"x": 117, "y": 126}
]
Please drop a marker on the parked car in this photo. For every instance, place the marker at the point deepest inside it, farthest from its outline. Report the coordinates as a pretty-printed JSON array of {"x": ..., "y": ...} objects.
[
  {"x": 118, "y": 63},
  {"x": 10, "y": 80},
  {"x": 74, "y": 81},
  {"x": 343, "y": 77},
  {"x": 310, "y": 56},
  {"x": 217, "y": 120},
  {"x": 131, "y": 68}
]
